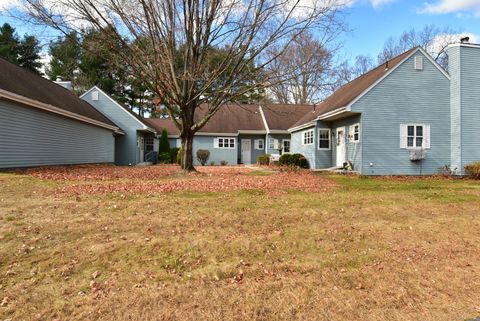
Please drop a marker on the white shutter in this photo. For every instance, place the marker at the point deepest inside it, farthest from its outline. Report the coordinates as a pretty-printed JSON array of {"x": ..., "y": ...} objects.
[
  {"x": 403, "y": 136},
  {"x": 255, "y": 143},
  {"x": 426, "y": 133},
  {"x": 351, "y": 133},
  {"x": 215, "y": 143},
  {"x": 275, "y": 144}
]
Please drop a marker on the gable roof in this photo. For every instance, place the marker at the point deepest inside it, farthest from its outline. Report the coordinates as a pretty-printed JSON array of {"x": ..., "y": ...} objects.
[
  {"x": 346, "y": 94},
  {"x": 38, "y": 91},
  {"x": 237, "y": 118},
  {"x": 139, "y": 119}
]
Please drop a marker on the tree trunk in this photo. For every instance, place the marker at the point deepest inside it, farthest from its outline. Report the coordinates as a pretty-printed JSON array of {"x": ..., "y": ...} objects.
[{"x": 187, "y": 151}]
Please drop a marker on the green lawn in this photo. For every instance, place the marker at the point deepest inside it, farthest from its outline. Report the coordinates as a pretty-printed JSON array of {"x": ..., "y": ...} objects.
[{"x": 366, "y": 249}]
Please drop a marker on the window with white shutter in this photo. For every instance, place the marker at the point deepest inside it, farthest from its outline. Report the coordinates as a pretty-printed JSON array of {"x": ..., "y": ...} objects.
[
  {"x": 259, "y": 145},
  {"x": 414, "y": 136}
]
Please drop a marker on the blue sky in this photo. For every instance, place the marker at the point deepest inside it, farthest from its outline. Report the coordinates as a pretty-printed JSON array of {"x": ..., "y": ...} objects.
[{"x": 371, "y": 22}]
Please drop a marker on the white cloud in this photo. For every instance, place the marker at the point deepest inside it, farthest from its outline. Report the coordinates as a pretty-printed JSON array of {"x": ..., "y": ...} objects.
[
  {"x": 440, "y": 42},
  {"x": 451, "y": 6},
  {"x": 379, "y": 3},
  {"x": 8, "y": 4}
]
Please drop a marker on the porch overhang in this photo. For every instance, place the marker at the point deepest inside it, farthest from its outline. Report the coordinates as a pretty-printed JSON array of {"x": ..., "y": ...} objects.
[{"x": 337, "y": 114}]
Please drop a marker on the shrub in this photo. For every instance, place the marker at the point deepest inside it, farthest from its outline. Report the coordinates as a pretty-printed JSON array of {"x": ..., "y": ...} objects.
[
  {"x": 294, "y": 160},
  {"x": 223, "y": 163},
  {"x": 263, "y": 159},
  {"x": 473, "y": 170},
  {"x": 179, "y": 156},
  {"x": 173, "y": 155},
  {"x": 164, "y": 158},
  {"x": 203, "y": 155},
  {"x": 212, "y": 163}
]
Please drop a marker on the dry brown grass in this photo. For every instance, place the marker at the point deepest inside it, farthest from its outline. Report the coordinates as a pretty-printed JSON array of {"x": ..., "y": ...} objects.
[{"x": 368, "y": 249}]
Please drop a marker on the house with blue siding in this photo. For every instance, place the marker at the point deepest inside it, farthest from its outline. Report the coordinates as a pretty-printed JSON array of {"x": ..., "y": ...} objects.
[
  {"x": 405, "y": 117},
  {"x": 140, "y": 142},
  {"x": 240, "y": 133},
  {"x": 42, "y": 123}
]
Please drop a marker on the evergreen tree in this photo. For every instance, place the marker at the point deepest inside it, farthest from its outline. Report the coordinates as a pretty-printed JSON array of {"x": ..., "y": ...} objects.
[
  {"x": 164, "y": 144},
  {"x": 29, "y": 54},
  {"x": 9, "y": 43},
  {"x": 66, "y": 55}
]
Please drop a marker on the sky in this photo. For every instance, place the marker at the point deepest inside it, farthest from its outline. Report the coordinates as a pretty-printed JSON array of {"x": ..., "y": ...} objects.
[{"x": 370, "y": 22}]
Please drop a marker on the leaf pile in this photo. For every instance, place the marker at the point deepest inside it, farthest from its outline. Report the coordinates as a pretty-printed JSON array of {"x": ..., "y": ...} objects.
[{"x": 105, "y": 179}]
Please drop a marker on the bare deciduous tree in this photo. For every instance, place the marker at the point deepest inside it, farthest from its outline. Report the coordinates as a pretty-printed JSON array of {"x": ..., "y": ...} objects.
[
  {"x": 304, "y": 73},
  {"x": 167, "y": 43}
]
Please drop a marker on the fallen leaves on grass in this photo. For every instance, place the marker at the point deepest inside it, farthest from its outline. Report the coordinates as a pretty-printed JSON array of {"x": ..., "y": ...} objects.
[{"x": 145, "y": 180}]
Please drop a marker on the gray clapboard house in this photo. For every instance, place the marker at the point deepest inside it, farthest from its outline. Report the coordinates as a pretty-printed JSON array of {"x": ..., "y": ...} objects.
[
  {"x": 42, "y": 123},
  {"x": 240, "y": 133},
  {"x": 405, "y": 117},
  {"x": 139, "y": 144}
]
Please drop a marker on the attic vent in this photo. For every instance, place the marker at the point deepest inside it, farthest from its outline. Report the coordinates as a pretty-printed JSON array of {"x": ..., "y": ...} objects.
[
  {"x": 418, "y": 63},
  {"x": 94, "y": 95}
]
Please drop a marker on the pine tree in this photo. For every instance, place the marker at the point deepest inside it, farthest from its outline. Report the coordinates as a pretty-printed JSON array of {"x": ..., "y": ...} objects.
[
  {"x": 66, "y": 55},
  {"x": 29, "y": 54}
]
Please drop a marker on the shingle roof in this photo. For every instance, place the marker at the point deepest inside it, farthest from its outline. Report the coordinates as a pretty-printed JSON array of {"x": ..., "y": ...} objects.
[
  {"x": 22, "y": 82},
  {"x": 347, "y": 93},
  {"x": 232, "y": 118}
]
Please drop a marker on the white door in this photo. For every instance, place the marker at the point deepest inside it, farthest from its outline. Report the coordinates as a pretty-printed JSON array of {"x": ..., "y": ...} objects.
[
  {"x": 341, "y": 147},
  {"x": 141, "y": 148},
  {"x": 246, "y": 151}
]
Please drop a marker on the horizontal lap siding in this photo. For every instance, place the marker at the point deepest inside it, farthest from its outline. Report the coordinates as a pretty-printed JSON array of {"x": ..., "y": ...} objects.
[
  {"x": 127, "y": 150},
  {"x": 254, "y": 152},
  {"x": 31, "y": 137},
  {"x": 470, "y": 105},
  {"x": 297, "y": 146},
  {"x": 323, "y": 158},
  {"x": 216, "y": 154},
  {"x": 455, "y": 113},
  {"x": 405, "y": 96},
  {"x": 280, "y": 138}
]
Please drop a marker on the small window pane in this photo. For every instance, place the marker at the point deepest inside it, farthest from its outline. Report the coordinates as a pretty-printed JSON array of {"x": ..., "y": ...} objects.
[
  {"x": 410, "y": 141},
  {"x": 419, "y": 130},
  {"x": 411, "y": 130},
  {"x": 419, "y": 141}
]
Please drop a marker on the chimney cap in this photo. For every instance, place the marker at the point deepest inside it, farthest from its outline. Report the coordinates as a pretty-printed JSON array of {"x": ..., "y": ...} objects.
[{"x": 465, "y": 39}]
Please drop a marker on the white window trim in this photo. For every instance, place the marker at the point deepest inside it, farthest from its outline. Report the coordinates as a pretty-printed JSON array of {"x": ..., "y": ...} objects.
[
  {"x": 257, "y": 144},
  {"x": 304, "y": 134},
  {"x": 275, "y": 143},
  {"x": 352, "y": 133},
  {"x": 216, "y": 141},
  {"x": 426, "y": 136},
  {"x": 329, "y": 139}
]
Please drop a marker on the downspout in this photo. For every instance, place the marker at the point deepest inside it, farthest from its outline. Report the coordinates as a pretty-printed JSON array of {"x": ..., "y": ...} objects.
[{"x": 266, "y": 128}]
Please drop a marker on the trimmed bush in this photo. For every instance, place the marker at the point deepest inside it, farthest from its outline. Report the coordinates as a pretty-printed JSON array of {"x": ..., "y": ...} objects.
[
  {"x": 264, "y": 159},
  {"x": 212, "y": 163},
  {"x": 473, "y": 170},
  {"x": 223, "y": 163},
  {"x": 293, "y": 160},
  {"x": 173, "y": 155},
  {"x": 203, "y": 155},
  {"x": 164, "y": 158},
  {"x": 179, "y": 156}
]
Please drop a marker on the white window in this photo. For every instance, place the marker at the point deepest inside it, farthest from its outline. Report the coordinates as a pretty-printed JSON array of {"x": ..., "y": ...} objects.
[
  {"x": 308, "y": 137},
  {"x": 354, "y": 135},
  {"x": 324, "y": 138},
  {"x": 259, "y": 144},
  {"x": 418, "y": 63},
  {"x": 286, "y": 145},
  {"x": 272, "y": 143},
  {"x": 414, "y": 136},
  {"x": 224, "y": 143}
]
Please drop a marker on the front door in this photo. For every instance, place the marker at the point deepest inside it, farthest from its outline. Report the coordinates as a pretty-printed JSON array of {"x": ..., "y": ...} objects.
[
  {"x": 246, "y": 151},
  {"x": 286, "y": 145},
  {"x": 341, "y": 146}
]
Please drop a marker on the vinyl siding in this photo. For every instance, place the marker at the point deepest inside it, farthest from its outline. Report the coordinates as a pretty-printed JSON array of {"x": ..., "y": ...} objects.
[
  {"x": 31, "y": 137},
  {"x": 216, "y": 154},
  {"x": 323, "y": 157},
  {"x": 405, "y": 96},
  {"x": 306, "y": 150},
  {"x": 465, "y": 87},
  {"x": 127, "y": 151},
  {"x": 280, "y": 138},
  {"x": 455, "y": 109}
]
